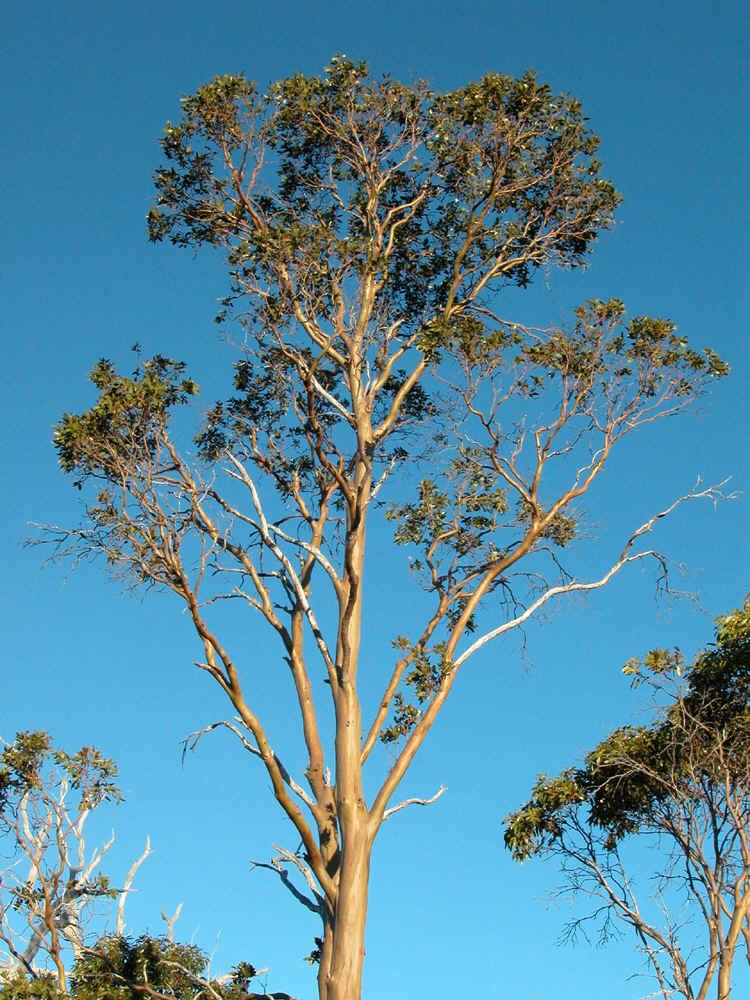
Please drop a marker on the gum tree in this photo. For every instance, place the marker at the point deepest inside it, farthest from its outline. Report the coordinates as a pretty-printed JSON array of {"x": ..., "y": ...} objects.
[
  {"x": 680, "y": 787},
  {"x": 369, "y": 228},
  {"x": 51, "y": 881},
  {"x": 52, "y": 890}
]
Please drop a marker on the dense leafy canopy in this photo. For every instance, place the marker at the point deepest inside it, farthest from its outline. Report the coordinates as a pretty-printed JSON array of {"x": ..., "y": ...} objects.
[
  {"x": 681, "y": 786},
  {"x": 123, "y": 968},
  {"x": 701, "y": 738},
  {"x": 502, "y": 158}
]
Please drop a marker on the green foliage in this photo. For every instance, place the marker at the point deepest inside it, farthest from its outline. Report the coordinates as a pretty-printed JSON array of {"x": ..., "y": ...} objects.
[
  {"x": 31, "y": 763},
  {"x": 557, "y": 528},
  {"x": 119, "y": 968},
  {"x": 602, "y": 343},
  {"x": 116, "y": 966},
  {"x": 404, "y": 717},
  {"x": 530, "y": 830},
  {"x": 124, "y": 968},
  {"x": 429, "y": 666},
  {"x": 21, "y": 987},
  {"x": 420, "y": 522},
  {"x": 698, "y": 742},
  {"x": 126, "y": 418},
  {"x": 509, "y": 146}
]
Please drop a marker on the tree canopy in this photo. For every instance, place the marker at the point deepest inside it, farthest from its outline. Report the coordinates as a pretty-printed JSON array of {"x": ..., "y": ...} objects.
[
  {"x": 681, "y": 784},
  {"x": 51, "y": 883},
  {"x": 369, "y": 229}
]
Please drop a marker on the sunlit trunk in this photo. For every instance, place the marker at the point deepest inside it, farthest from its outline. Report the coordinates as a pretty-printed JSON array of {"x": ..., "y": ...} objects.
[
  {"x": 344, "y": 978},
  {"x": 725, "y": 977}
]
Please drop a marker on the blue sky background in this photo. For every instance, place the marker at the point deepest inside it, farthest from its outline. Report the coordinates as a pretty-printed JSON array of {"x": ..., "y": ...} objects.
[{"x": 86, "y": 89}]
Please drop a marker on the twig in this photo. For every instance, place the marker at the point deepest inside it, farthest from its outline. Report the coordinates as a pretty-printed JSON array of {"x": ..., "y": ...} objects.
[{"x": 414, "y": 802}]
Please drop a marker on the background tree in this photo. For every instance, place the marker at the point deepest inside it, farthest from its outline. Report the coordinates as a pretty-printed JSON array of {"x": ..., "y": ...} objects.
[
  {"x": 122, "y": 968},
  {"x": 368, "y": 226},
  {"x": 50, "y": 887},
  {"x": 117, "y": 967},
  {"x": 681, "y": 787},
  {"x": 51, "y": 880}
]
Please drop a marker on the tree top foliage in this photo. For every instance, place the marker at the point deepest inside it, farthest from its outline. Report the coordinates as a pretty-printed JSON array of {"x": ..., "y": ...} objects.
[
  {"x": 700, "y": 739},
  {"x": 353, "y": 175},
  {"x": 31, "y": 763},
  {"x": 119, "y": 967}
]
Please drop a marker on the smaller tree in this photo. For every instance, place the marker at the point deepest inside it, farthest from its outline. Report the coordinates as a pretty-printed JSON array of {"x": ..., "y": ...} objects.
[
  {"x": 681, "y": 786},
  {"x": 122, "y": 968},
  {"x": 46, "y": 796},
  {"x": 51, "y": 881}
]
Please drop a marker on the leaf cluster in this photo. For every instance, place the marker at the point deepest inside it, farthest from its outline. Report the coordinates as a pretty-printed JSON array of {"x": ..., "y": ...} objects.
[
  {"x": 698, "y": 745},
  {"x": 328, "y": 178},
  {"x": 125, "y": 421},
  {"x": 32, "y": 764},
  {"x": 117, "y": 967},
  {"x": 429, "y": 666}
]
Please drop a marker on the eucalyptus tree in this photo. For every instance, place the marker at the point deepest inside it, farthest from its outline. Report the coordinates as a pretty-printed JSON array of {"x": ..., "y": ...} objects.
[
  {"x": 51, "y": 881},
  {"x": 680, "y": 788},
  {"x": 369, "y": 228},
  {"x": 55, "y": 940},
  {"x": 119, "y": 967}
]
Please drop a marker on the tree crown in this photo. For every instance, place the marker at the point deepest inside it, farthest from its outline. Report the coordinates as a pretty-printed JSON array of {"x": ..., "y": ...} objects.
[{"x": 699, "y": 738}]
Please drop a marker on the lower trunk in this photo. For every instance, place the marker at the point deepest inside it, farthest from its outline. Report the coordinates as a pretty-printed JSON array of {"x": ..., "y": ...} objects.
[
  {"x": 725, "y": 977},
  {"x": 341, "y": 977}
]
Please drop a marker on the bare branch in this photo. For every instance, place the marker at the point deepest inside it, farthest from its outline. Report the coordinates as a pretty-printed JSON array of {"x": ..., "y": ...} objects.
[
  {"x": 192, "y": 740},
  {"x": 712, "y": 493},
  {"x": 127, "y": 888},
  {"x": 277, "y": 865},
  {"x": 171, "y": 921},
  {"x": 414, "y": 802}
]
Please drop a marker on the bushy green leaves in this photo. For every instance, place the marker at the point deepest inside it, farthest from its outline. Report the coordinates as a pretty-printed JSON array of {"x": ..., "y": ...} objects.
[
  {"x": 32, "y": 763},
  {"x": 126, "y": 418},
  {"x": 308, "y": 178},
  {"x": 117, "y": 966},
  {"x": 428, "y": 668},
  {"x": 633, "y": 778},
  {"x": 22, "y": 987},
  {"x": 125, "y": 968},
  {"x": 530, "y": 830}
]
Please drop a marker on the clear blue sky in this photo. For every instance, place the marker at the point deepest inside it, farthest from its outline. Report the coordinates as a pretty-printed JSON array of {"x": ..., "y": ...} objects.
[{"x": 86, "y": 89}]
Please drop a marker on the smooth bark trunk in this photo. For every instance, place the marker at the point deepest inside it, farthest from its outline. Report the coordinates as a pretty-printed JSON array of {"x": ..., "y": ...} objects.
[
  {"x": 344, "y": 978},
  {"x": 725, "y": 978}
]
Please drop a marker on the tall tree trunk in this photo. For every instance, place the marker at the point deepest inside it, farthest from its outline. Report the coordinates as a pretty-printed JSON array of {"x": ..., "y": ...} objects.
[
  {"x": 725, "y": 976},
  {"x": 344, "y": 977}
]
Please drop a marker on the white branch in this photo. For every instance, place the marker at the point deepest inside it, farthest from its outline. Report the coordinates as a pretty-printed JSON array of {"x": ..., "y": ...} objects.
[
  {"x": 171, "y": 921},
  {"x": 711, "y": 493},
  {"x": 277, "y": 865},
  {"x": 127, "y": 888},
  {"x": 414, "y": 802},
  {"x": 190, "y": 743},
  {"x": 307, "y": 547},
  {"x": 384, "y": 477},
  {"x": 349, "y": 417},
  {"x": 299, "y": 590}
]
